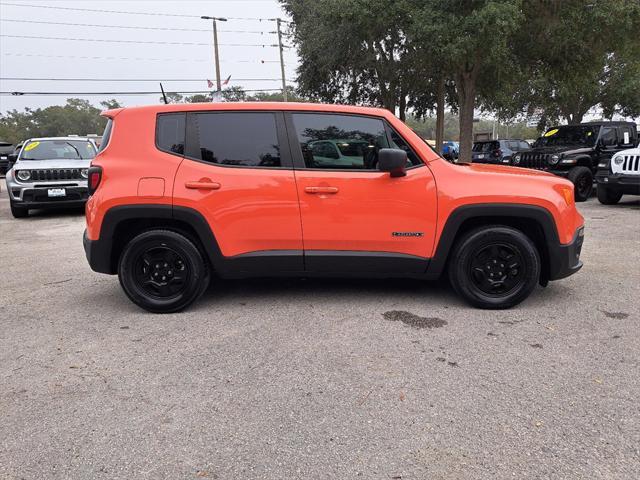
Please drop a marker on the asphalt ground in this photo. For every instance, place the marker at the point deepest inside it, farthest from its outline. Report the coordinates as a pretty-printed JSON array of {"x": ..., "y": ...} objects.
[{"x": 317, "y": 379}]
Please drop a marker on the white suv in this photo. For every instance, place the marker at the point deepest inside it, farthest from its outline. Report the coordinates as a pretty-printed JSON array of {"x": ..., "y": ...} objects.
[{"x": 619, "y": 176}]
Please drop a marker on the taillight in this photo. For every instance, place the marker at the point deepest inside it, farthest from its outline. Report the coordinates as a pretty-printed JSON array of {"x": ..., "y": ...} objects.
[{"x": 95, "y": 176}]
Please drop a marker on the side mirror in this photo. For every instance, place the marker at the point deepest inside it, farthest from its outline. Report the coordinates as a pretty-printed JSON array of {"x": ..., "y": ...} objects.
[
  {"x": 12, "y": 157},
  {"x": 392, "y": 160}
]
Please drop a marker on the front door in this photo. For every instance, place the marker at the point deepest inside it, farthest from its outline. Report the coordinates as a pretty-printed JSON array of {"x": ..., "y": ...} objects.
[
  {"x": 354, "y": 217},
  {"x": 237, "y": 173}
]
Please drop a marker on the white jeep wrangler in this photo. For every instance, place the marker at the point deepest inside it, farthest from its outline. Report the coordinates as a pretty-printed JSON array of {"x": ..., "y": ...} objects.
[{"x": 619, "y": 176}]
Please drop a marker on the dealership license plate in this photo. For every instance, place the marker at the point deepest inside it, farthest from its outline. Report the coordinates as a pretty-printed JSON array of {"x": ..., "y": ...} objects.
[{"x": 57, "y": 192}]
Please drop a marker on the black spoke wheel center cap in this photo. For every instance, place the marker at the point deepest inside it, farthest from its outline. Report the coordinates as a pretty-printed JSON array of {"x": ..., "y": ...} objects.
[
  {"x": 497, "y": 269},
  {"x": 160, "y": 271}
]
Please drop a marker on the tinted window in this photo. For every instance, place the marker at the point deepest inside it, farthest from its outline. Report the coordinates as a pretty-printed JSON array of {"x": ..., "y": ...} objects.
[
  {"x": 356, "y": 140},
  {"x": 609, "y": 136},
  {"x": 485, "y": 146},
  {"x": 106, "y": 136},
  {"x": 170, "y": 133},
  {"x": 513, "y": 145},
  {"x": 244, "y": 139},
  {"x": 524, "y": 146},
  {"x": 398, "y": 142}
]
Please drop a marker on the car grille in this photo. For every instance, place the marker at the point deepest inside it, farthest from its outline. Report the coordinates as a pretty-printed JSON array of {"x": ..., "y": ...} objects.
[
  {"x": 534, "y": 160},
  {"x": 56, "y": 174},
  {"x": 631, "y": 164}
]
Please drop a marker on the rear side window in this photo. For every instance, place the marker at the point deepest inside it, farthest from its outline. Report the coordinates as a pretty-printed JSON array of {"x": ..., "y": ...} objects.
[
  {"x": 626, "y": 136},
  {"x": 240, "y": 139},
  {"x": 343, "y": 142},
  {"x": 106, "y": 136},
  {"x": 609, "y": 136},
  {"x": 170, "y": 130}
]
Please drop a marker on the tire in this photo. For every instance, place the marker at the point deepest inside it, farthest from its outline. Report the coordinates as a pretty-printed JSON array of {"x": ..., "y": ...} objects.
[
  {"x": 608, "y": 196},
  {"x": 483, "y": 253},
  {"x": 582, "y": 180},
  {"x": 150, "y": 267},
  {"x": 18, "y": 212}
]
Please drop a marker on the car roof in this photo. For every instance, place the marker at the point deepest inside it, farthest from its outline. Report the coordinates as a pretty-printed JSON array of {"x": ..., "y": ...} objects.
[
  {"x": 253, "y": 106},
  {"x": 596, "y": 123}
]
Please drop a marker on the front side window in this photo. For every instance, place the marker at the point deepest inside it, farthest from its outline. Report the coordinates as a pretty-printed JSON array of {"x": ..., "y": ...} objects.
[
  {"x": 609, "y": 136},
  {"x": 170, "y": 133},
  {"x": 58, "y": 150},
  {"x": 398, "y": 142},
  {"x": 240, "y": 139},
  {"x": 345, "y": 142}
]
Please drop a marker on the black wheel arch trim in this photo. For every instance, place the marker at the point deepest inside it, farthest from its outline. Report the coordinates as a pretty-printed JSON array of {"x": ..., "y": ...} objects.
[{"x": 460, "y": 215}]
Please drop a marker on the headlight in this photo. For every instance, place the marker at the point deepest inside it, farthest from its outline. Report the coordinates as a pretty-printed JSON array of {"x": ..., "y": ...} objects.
[
  {"x": 23, "y": 175},
  {"x": 84, "y": 173},
  {"x": 516, "y": 159},
  {"x": 618, "y": 160},
  {"x": 554, "y": 159}
]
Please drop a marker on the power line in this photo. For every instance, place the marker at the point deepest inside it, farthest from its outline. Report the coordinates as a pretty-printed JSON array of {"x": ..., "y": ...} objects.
[
  {"x": 131, "y": 79},
  {"x": 192, "y": 92},
  {"x": 154, "y": 14},
  {"x": 97, "y": 57},
  {"x": 130, "y": 27},
  {"x": 138, "y": 41}
]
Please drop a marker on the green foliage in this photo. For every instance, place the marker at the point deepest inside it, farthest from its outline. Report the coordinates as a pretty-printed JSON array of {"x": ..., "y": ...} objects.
[{"x": 76, "y": 117}]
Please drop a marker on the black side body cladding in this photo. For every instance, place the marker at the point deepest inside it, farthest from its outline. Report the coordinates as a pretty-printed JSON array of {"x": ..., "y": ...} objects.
[{"x": 561, "y": 260}]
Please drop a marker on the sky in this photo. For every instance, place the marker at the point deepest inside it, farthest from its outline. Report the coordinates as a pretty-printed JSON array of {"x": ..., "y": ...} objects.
[{"x": 181, "y": 48}]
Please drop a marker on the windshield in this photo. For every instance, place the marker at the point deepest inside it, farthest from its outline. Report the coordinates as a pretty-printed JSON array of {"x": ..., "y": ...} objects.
[
  {"x": 569, "y": 135},
  {"x": 58, "y": 150}
]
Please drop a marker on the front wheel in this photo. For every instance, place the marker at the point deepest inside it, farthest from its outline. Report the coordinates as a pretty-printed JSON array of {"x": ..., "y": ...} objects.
[
  {"x": 582, "y": 179},
  {"x": 494, "y": 267},
  {"x": 162, "y": 271},
  {"x": 608, "y": 196}
]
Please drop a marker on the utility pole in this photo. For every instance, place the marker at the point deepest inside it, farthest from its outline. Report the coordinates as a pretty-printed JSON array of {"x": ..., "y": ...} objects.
[
  {"x": 215, "y": 48},
  {"x": 284, "y": 82}
]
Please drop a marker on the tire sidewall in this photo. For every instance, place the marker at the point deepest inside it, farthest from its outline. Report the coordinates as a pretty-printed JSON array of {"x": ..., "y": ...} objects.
[
  {"x": 575, "y": 176},
  {"x": 464, "y": 255},
  {"x": 198, "y": 272}
]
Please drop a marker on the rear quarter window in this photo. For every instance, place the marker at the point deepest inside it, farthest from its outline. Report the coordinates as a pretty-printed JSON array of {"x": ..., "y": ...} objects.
[
  {"x": 106, "y": 136},
  {"x": 170, "y": 132}
]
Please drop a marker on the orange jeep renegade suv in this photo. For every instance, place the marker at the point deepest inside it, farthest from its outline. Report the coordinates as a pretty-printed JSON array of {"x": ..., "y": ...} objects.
[{"x": 181, "y": 193}]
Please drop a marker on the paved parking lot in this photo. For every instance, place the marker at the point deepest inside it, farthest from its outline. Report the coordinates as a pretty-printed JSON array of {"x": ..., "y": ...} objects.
[{"x": 317, "y": 379}]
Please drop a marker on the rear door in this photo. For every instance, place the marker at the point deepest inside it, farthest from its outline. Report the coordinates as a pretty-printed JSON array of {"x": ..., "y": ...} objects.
[
  {"x": 356, "y": 218},
  {"x": 237, "y": 173}
]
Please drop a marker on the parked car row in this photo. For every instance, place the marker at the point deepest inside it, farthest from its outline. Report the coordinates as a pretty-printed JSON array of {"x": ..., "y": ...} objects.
[{"x": 601, "y": 151}]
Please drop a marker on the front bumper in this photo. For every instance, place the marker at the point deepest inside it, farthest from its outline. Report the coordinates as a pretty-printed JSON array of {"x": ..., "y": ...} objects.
[
  {"x": 38, "y": 197},
  {"x": 564, "y": 260},
  {"x": 627, "y": 184}
]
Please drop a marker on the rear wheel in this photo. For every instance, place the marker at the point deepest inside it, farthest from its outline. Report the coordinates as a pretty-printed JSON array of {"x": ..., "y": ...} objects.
[
  {"x": 19, "y": 212},
  {"x": 162, "y": 271},
  {"x": 582, "y": 179},
  {"x": 494, "y": 267},
  {"x": 608, "y": 196}
]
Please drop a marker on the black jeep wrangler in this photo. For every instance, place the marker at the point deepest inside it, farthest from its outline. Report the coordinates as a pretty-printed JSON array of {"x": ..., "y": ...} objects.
[{"x": 574, "y": 151}]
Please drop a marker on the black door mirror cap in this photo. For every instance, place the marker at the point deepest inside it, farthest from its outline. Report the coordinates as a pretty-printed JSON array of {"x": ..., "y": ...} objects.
[{"x": 392, "y": 160}]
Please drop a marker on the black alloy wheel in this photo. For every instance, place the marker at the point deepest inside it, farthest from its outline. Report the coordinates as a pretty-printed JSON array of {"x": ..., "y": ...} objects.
[
  {"x": 163, "y": 271},
  {"x": 494, "y": 267}
]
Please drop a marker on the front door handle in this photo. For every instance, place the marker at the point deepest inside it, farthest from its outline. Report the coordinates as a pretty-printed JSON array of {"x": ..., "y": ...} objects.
[
  {"x": 203, "y": 185},
  {"x": 321, "y": 189}
]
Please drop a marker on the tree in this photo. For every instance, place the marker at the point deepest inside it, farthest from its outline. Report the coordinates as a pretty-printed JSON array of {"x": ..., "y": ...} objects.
[
  {"x": 353, "y": 51},
  {"x": 577, "y": 54},
  {"x": 77, "y": 116}
]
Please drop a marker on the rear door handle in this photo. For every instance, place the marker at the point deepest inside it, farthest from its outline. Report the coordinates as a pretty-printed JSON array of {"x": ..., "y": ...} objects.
[
  {"x": 321, "y": 189},
  {"x": 203, "y": 185}
]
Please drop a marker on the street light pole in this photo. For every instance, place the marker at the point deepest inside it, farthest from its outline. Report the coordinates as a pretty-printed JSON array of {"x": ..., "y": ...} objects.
[{"x": 215, "y": 48}]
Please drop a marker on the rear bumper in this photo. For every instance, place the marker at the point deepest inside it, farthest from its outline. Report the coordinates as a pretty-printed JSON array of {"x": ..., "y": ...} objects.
[
  {"x": 98, "y": 255},
  {"x": 629, "y": 184},
  {"x": 564, "y": 260}
]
